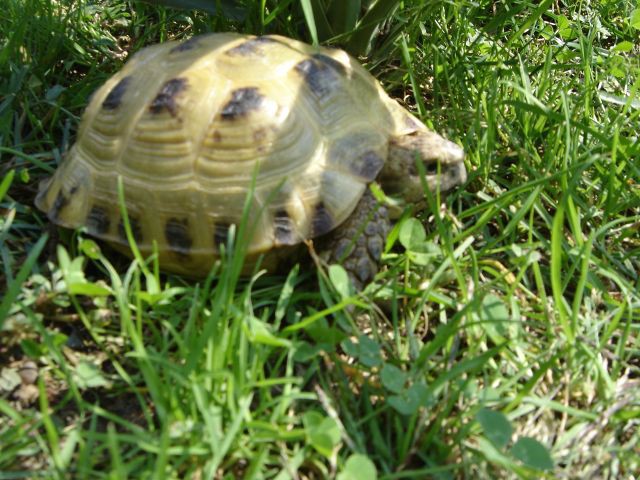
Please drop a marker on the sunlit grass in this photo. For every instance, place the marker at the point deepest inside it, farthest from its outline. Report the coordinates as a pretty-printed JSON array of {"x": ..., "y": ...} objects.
[{"x": 499, "y": 341}]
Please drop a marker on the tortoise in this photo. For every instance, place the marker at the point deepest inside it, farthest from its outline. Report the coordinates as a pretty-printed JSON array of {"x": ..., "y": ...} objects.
[{"x": 189, "y": 125}]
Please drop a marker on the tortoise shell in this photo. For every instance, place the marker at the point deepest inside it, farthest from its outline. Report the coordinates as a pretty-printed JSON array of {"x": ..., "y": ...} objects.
[{"x": 188, "y": 126}]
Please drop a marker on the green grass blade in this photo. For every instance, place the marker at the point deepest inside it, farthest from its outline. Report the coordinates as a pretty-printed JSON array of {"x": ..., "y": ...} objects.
[
  {"x": 15, "y": 286},
  {"x": 229, "y": 8},
  {"x": 380, "y": 11},
  {"x": 530, "y": 20},
  {"x": 557, "y": 261},
  {"x": 343, "y": 15},
  {"x": 6, "y": 183},
  {"x": 309, "y": 17}
]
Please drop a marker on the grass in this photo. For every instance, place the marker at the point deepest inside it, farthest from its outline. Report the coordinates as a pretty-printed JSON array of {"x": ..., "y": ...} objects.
[{"x": 501, "y": 339}]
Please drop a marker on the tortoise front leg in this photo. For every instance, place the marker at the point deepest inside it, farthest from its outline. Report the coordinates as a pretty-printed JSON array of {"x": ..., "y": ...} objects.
[{"x": 358, "y": 243}]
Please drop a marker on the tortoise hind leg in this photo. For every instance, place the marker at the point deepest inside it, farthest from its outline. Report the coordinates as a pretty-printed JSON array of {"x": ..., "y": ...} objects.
[{"x": 357, "y": 244}]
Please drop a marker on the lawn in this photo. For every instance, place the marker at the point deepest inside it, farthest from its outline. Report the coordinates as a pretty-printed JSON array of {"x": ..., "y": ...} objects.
[{"x": 501, "y": 338}]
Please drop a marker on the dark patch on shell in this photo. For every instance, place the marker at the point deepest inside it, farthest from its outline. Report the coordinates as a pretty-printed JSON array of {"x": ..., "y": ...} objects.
[
  {"x": 59, "y": 203},
  {"x": 243, "y": 101},
  {"x": 220, "y": 234},
  {"x": 253, "y": 46},
  {"x": 166, "y": 99},
  {"x": 114, "y": 98},
  {"x": 98, "y": 221},
  {"x": 368, "y": 165},
  {"x": 217, "y": 136},
  {"x": 284, "y": 228},
  {"x": 330, "y": 62},
  {"x": 176, "y": 231},
  {"x": 321, "y": 76},
  {"x": 189, "y": 44},
  {"x": 322, "y": 222},
  {"x": 134, "y": 223}
]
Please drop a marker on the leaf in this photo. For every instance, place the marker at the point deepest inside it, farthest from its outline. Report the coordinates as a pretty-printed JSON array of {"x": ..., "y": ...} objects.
[
  {"x": 358, "y": 467},
  {"x": 306, "y": 351},
  {"x": 350, "y": 348},
  {"x": 89, "y": 289},
  {"x": 369, "y": 351},
  {"x": 496, "y": 426},
  {"x": 258, "y": 332},
  {"x": 564, "y": 27},
  {"x": 90, "y": 249},
  {"x": 425, "y": 253},
  {"x": 634, "y": 20},
  {"x": 161, "y": 297},
  {"x": 623, "y": 47},
  {"x": 24, "y": 176},
  {"x": 340, "y": 280},
  {"x": 33, "y": 349},
  {"x": 323, "y": 433},
  {"x": 87, "y": 375},
  {"x": 412, "y": 233},
  {"x": 494, "y": 316},
  {"x": 54, "y": 92},
  {"x": 73, "y": 273},
  {"x": 321, "y": 332},
  {"x": 14, "y": 287},
  {"x": 6, "y": 183},
  {"x": 393, "y": 378},
  {"x": 532, "y": 453},
  {"x": 9, "y": 379},
  {"x": 494, "y": 309},
  {"x": 410, "y": 400}
]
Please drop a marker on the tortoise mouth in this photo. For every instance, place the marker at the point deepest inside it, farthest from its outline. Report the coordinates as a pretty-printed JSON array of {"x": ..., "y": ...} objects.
[{"x": 451, "y": 175}]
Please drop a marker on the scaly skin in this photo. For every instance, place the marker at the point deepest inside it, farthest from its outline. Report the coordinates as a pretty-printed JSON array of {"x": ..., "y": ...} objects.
[{"x": 357, "y": 244}]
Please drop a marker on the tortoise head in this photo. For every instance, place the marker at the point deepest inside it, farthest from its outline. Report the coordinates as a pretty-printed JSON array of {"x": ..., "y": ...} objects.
[{"x": 443, "y": 163}]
